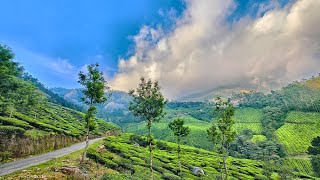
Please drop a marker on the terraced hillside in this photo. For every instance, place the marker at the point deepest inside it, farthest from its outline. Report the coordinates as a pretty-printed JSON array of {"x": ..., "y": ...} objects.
[
  {"x": 52, "y": 127},
  {"x": 298, "y": 131},
  {"x": 128, "y": 161},
  {"x": 245, "y": 118}
]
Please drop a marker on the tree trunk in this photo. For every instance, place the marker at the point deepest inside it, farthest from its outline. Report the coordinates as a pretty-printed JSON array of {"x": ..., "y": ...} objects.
[
  {"x": 11, "y": 111},
  {"x": 86, "y": 148},
  {"x": 179, "y": 162},
  {"x": 225, "y": 165},
  {"x": 224, "y": 154},
  {"x": 150, "y": 149}
]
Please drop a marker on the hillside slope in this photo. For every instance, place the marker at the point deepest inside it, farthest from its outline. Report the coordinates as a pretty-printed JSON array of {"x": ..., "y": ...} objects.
[
  {"x": 127, "y": 161},
  {"x": 53, "y": 127},
  {"x": 245, "y": 118}
]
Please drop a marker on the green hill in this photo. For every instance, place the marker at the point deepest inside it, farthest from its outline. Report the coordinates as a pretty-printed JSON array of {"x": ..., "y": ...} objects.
[
  {"x": 245, "y": 118},
  {"x": 31, "y": 121},
  {"x": 298, "y": 131},
  {"x": 127, "y": 161},
  {"x": 53, "y": 128}
]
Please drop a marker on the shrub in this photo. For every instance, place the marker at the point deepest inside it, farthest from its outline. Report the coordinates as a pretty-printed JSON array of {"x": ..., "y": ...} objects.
[
  {"x": 142, "y": 141},
  {"x": 11, "y": 130},
  {"x": 4, "y": 156},
  {"x": 15, "y": 122},
  {"x": 168, "y": 176},
  {"x": 162, "y": 145}
]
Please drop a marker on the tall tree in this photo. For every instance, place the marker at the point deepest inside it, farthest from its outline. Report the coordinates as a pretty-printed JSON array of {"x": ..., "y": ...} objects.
[
  {"x": 94, "y": 87},
  {"x": 148, "y": 104},
  {"x": 222, "y": 132},
  {"x": 179, "y": 131},
  {"x": 9, "y": 70}
]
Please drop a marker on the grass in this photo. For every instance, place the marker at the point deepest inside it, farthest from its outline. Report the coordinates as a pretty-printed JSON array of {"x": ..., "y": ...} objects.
[{"x": 51, "y": 169}]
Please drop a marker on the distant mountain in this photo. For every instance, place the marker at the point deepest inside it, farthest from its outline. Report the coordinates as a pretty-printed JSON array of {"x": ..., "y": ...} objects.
[
  {"x": 223, "y": 91},
  {"x": 52, "y": 96},
  {"x": 115, "y": 110},
  {"x": 118, "y": 100}
]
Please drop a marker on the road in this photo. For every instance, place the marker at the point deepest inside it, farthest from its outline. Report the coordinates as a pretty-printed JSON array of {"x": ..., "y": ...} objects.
[{"x": 34, "y": 160}]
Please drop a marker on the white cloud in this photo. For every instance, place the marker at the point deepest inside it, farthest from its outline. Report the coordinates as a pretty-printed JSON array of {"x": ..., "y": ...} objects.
[
  {"x": 62, "y": 66},
  {"x": 204, "y": 52}
]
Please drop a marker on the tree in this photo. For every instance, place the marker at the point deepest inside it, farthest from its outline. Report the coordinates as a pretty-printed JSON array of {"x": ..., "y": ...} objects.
[
  {"x": 148, "y": 104},
  {"x": 179, "y": 131},
  {"x": 94, "y": 88},
  {"x": 314, "y": 150},
  {"x": 222, "y": 132}
]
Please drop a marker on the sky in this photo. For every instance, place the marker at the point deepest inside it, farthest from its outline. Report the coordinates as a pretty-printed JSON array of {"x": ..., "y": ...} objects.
[{"x": 189, "y": 46}]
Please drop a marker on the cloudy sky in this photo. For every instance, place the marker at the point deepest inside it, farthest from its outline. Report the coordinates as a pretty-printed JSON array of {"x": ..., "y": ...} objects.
[{"x": 187, "y": 45}]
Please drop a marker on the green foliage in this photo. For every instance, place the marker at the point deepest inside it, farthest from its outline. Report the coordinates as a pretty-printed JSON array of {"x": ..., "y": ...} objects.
[
  {"x": 141, "y": 140},
  {"x": 273, "y": 118},
  {"x": 297, "y": 96},
  {"x": 315, "y": 161},
  {"x": 148, "y": 102},
  {"x": 94, "y": 85},
  {"x": 5, "y": 156},
  {"x": 296, "y": 138},
  {"x": 300, "y": 164},
  {"x": 14, "y": 122},
  {"x": 243, "y": 120},
  {"x": 258, "y": 138},
  {"x": 225, "y": 111},
  {"x": 225, "y": 134},
  {"x": 11, "y": 130},
  {"x": 51, "y": 96},
  {"x": 314, "y": 149},
  {"x": 162, "y": 145},
  {"x": 178, "y": 129},
  {"x": 303, "y": 117},
  {"x": 245, "y": 147},
  {"x": 120, "y": 148},
  {"x": 90, "y": 118},
  {"x": 213, "y": 134}
]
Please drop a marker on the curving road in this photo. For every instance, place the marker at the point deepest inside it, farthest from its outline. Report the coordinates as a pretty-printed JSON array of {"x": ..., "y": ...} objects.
[{"x": 34, "y": 160}]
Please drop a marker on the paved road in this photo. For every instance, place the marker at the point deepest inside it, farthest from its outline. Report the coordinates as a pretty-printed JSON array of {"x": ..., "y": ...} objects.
[{"x": 31, "y": 161}]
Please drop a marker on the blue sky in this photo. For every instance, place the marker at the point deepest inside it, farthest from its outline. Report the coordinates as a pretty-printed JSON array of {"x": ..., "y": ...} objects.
[
  {"x": 79, "y": 33},
  {"x": 54, "y": 39}
]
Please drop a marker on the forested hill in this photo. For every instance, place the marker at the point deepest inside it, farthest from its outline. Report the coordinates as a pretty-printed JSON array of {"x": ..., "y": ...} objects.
[
  {"x": 30, "y": 123},
  {"x": 297, "y": 96},
  {"x": 52, "y": 97}
]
